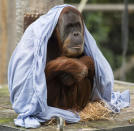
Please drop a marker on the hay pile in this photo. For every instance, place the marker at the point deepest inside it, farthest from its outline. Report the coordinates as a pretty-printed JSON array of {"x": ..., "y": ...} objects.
[{"x": 95, "y": 111}]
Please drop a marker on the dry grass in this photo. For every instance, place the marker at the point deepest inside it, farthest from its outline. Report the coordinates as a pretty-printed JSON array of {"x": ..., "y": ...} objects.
[
  {"x": 51, "y": 122},
  {"x": 95, "y": 111}
]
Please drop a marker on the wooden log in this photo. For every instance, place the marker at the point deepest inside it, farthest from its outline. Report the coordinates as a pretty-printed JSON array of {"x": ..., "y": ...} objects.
[
  {"x": 3, "y": 40},
  {"x": 106, "y": 7}
]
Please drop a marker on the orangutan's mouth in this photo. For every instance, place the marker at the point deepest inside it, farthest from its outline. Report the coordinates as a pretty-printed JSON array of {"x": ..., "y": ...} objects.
[{"x": 77, "y": 47}]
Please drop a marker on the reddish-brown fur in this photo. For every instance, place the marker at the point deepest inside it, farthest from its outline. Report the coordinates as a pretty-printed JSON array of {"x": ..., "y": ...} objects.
[
  {"x": 69, "y": 80},
  {"x": 70, "y": 94}
]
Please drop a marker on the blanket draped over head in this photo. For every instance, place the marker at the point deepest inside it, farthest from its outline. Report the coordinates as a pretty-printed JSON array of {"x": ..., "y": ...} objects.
[{"x": 27, "y": 81}]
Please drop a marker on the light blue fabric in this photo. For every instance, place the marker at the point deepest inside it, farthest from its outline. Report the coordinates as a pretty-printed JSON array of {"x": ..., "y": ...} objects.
[
  {"x": 104, "y": 79},
  {"x": 27, "y": 82}
]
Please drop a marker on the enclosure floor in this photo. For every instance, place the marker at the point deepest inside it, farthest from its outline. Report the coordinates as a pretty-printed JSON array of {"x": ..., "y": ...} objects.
[{"x": 124, "y": 118}]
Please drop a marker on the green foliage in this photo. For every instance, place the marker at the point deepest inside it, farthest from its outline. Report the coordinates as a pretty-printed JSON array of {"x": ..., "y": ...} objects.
[
  {"x": 130, "y": 76},
  {"x": 72, "y": 1},
  {"x": 131, "y": 34},
  {"x": 95, "y": 24},
  {"x": 5, "y": 120}
]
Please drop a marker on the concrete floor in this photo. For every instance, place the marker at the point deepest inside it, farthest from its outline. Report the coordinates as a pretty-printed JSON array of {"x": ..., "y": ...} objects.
[{"x": 120, "y": 121}]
